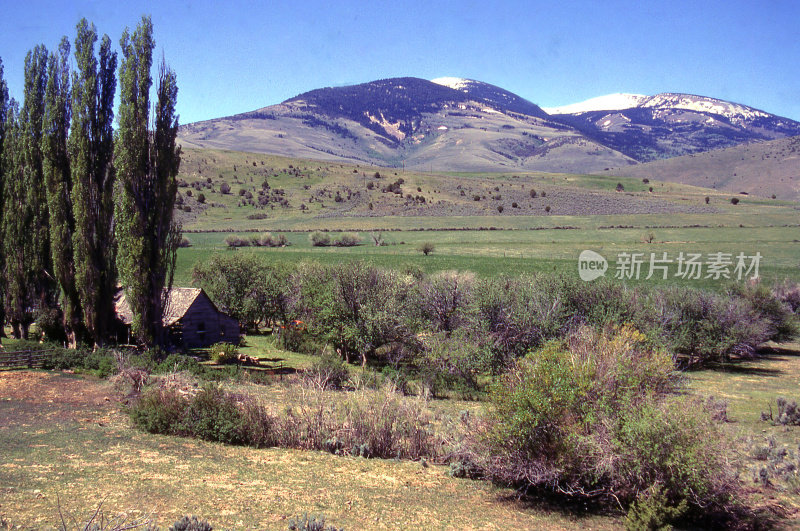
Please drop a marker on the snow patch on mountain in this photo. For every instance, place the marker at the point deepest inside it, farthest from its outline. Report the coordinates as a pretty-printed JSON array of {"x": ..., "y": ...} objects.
[
  {"x": 457, "y": 83},
  {"x": 609, "y": 102},
  {"x": 733, "y": 111}
]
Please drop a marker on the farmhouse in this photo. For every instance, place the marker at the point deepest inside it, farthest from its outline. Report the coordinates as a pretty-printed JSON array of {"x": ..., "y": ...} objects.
[{"x": 192, "y": 319}]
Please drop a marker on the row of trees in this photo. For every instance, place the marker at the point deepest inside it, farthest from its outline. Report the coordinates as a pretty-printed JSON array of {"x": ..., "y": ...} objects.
[
  {"x": 464, "y": 324},
  {"x": 84, "y": 207}
]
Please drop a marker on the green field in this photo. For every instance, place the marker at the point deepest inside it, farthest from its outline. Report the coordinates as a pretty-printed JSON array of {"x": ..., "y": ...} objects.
[{"x": 520, "y": 240}]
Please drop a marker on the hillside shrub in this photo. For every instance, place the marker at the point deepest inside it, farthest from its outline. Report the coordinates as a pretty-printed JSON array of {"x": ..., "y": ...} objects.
[{"x": 314, "y": 522}]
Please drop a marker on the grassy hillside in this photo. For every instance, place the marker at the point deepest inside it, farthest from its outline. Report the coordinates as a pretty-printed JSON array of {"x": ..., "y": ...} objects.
[{"x": 761, "y": 169}]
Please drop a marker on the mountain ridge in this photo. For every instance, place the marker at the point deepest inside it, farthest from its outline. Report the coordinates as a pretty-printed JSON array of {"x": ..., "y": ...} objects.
[{"x": 461, "y": 124}]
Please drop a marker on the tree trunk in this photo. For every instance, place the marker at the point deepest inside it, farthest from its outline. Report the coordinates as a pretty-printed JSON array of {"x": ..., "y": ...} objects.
[{"x": 72, "y": 339}]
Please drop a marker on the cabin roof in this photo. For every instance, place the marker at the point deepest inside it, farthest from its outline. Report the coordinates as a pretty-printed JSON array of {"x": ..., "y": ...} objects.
[{"x": 178, "y": 303}]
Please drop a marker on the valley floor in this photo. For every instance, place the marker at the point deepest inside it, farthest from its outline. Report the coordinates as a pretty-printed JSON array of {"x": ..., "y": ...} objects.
[{"x": 66, "y": 442}]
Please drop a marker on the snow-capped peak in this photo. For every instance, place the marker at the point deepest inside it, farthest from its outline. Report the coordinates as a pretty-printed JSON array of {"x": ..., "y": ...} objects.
[
  {"x": 609, "y": 102},
  {"x": 704, "y": 104},
  {"x": 458, "y": 83}
]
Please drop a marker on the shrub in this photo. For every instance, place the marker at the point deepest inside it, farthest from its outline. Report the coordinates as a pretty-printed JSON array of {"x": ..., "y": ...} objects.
[
  {"x": 191, "y": 523},
  {"x": 185, "y": 242},
  {"x": 620, "y": 188},
  {"x": 213, "y": 415},
  {"x": 734, "y": 200},
  {"x": 312, "y": 522},
  {"x": 327, "y": 372},
  {"x": 224, "y": 188},
  {"x": 101, "y": 362},
  {"x": 707, "y": 327},
  {"x": 426, "y": 248},
  {"x": 517, "y": 314},
  {"x": 320, "y": 239},
  {"x": 201, "y": 198},
  {"x": 223, "y": 353},
  {"x": 590, "y": 416},
  {"x": 788, "y": 293},
  {"x": 446, "y": 300},
  {"x": 159, "y": 411},
  {"x": 237, "y": 241},
  {"x": 178, "y": 363},
  {"x": 348, "y": 239},
  {"x": 766, "y": 305},
  {"x": 367, "y": 423},
  {"x": 453, "y": 363},
  {"x": 788, "y": 413},
  {"x": 651, "y": 510}
]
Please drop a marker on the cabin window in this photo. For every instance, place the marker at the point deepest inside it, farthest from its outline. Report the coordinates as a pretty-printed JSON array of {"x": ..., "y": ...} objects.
[
  {"x": 222, "y": 331},
  {"x": 201, "y": 331}
]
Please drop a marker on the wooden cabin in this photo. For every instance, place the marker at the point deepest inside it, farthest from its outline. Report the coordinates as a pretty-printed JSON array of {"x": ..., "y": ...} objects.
[{"x": 192, "y": 319}]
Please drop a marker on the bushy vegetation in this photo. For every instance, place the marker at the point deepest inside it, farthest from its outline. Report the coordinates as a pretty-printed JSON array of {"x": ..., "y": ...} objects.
[
  {"x": 223, "y": 353},
  {"x": 381, "y": 316},
  {"x": 592, "y": 417},
  {"x": 368, "y": 423}
]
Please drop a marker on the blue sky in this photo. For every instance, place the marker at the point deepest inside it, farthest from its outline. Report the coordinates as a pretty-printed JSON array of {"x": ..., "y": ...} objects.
[{"x": 237, "y": 55}]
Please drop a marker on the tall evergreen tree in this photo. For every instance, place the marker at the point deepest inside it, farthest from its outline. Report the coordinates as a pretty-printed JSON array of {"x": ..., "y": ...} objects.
[
  {"x": 59, "y": 182},
  {"x": 147, "y": 163},
  {"x": 91, "y": 147},
  {"x": 3, "y": 114}
]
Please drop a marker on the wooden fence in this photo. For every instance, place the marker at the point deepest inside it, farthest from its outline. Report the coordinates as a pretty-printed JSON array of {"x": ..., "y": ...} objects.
[{"x": 24, "y": 359}]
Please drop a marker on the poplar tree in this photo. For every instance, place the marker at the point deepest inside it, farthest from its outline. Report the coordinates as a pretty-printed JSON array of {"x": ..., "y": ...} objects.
[
  {"x": 26, "y": 233},
  {"x": 16, "y": 298},
  {"x": 91, "y": 148},
  {"x": 38, "y": 264},
  {"x": 3, "y": 115},
  {"x": 59, "y": 186},
  {"x": 147, "y": 162}
]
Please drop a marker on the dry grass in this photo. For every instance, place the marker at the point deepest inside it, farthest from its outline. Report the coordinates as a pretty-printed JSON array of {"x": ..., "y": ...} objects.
[{"x": 60, "y": 437}]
